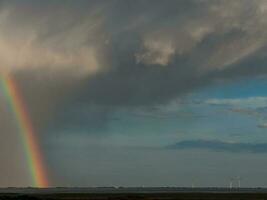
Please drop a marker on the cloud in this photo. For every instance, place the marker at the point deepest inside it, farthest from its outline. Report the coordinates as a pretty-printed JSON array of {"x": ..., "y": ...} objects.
[
  {"x": 263, "y": 125},
  {"x": 50, "y": 50},
  {"x": 250, "y": 102},
  {"x": 126, "y": 54},
  {"x": 216, "y": 145},
  {"x": 228, "y": 27},
  {"x": 123, "y": 40},
  {"x": 172, "y": 57},
  {"x": 251, "y": 106},
  {"x": 47, "y": 39},
  {"x": 156, "y": 53},
  {"x": 250, "y": 112}
]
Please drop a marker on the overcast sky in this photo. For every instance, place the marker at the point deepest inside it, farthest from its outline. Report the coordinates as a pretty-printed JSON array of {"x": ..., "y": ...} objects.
[{"x": 132, "y": 93}]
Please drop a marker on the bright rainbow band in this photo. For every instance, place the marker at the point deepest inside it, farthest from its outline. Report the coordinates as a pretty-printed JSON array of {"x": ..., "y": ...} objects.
[{"x": 26, "y": 130}]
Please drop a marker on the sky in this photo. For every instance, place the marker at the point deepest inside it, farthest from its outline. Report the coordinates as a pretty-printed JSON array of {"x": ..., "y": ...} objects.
[{"x": 137, "y": 93}]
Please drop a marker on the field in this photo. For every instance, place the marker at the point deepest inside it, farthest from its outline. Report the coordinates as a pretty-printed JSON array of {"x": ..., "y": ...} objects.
[
  {"x": 158, "y": 196},
  {"x": 132, "y": 194}
]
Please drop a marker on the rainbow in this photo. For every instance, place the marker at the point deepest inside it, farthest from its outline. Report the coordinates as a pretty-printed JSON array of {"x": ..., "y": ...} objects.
[{"x": 27, "y": 132}]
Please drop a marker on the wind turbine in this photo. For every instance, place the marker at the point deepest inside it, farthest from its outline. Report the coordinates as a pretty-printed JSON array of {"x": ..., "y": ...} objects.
[
  {"x": 193, "y": 184},
  {"x": 239, "y": 181},
  {"x": 231, "y": 183}
]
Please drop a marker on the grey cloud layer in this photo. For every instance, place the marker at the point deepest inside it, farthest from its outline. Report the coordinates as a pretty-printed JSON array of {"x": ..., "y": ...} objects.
[
  {"x": 127, "y": 53},
  {"x": 221, "y": 146},
  {"x": 158, "y": 52},
  {"x": 169, "y": 47},
  {"x": 252, "y": 106},
  {"x": 34, "y": 35}
]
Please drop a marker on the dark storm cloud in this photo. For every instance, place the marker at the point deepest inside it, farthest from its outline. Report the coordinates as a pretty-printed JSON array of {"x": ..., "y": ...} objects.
[
  {"x": 157, "y": 52},
  {"x": 221, "y": 146},
  {"x": 127, "y": 53}
]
